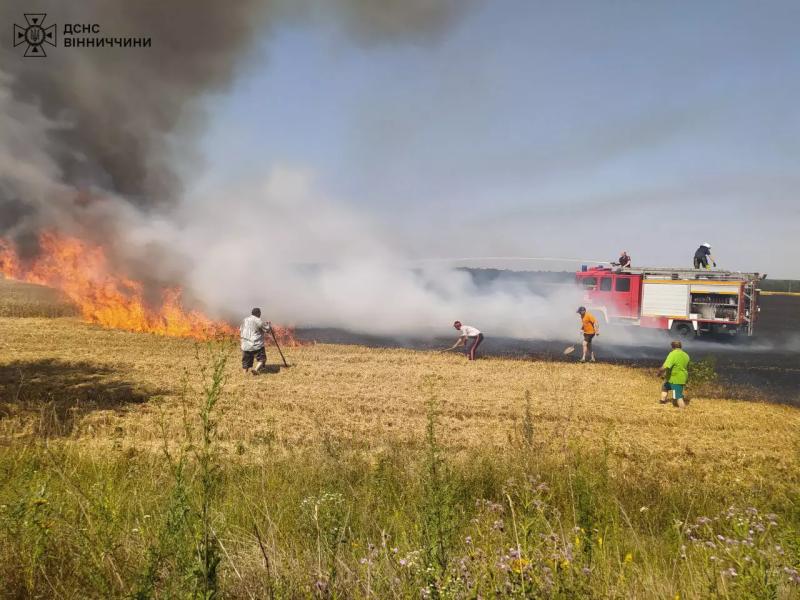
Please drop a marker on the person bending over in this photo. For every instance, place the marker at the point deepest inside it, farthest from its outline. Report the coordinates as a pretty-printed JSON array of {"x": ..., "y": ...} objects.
[
  {"x": 702, "y": 256},
  {"x": 470, "y": 338}
]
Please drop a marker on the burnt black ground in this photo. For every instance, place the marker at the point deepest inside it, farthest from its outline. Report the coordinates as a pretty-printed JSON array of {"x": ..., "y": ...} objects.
[{"x": 766, "y": 366}]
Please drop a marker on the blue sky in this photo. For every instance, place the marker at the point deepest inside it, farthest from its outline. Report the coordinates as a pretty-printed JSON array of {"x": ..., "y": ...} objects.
[{"x": 570, "y": 129}]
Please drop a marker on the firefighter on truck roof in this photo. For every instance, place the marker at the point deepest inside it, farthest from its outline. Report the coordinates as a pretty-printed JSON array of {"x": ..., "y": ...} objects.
[{"x": 702, "y": 257}]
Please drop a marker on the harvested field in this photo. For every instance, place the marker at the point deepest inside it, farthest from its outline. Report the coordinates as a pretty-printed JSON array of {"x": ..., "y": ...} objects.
[
  {"x": 122, "y": 387},
  {"x": 29, "y": 300},
  {"x": 364, "y": 472}
]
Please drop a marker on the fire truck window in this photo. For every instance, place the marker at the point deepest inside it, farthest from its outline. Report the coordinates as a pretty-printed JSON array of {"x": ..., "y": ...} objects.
[
  {"x": 589, "y": 282},
  {"x": 623, "y": 284},
  {"x": 605, "y": 284}
]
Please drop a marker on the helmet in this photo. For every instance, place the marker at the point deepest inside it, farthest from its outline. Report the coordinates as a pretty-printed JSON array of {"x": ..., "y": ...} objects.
[
  {"x": 706, "y": 244},
  {"x": 581, "y": 309}
]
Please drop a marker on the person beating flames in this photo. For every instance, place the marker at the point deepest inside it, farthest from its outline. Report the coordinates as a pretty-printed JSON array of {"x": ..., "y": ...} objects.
[
  {"x": 590, "y": 329},
  {"x": 471, "y": 338}
]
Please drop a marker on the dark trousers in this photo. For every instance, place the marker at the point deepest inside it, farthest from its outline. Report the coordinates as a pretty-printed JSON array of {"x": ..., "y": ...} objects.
[
  {"x": 701, "y": 263},
  {"x": 472, "y": 345},
  {"x": 248, "y": 355}
]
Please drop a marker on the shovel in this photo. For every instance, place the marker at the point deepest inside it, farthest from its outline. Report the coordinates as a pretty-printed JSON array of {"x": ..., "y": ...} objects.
[
  {"x": 571, "y": 349},
  {"x": 274, "y": 339}
]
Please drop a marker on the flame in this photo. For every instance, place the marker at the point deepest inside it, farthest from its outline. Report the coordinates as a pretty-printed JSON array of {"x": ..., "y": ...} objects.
[{"x": 81, "y": 271}]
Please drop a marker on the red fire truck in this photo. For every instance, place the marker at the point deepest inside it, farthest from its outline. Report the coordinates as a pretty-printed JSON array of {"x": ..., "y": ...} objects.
[{"x": 683, "y": 301}]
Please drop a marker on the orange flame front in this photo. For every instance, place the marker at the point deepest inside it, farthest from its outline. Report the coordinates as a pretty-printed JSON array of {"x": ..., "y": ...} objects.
[{"x": 82, "y": 272}]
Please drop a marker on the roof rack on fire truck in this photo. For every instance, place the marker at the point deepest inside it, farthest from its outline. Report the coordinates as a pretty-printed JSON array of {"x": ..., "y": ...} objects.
[{"x": 679, "y": 273}]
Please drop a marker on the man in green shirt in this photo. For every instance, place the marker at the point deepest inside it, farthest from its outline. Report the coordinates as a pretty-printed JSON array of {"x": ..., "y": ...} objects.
[{"x": 676, "y": 371}]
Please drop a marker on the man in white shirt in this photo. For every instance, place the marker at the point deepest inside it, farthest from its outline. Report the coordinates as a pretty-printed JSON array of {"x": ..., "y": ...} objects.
[
  {"x": 252, "y": 335},
  {"x": 470, "y": 338}
]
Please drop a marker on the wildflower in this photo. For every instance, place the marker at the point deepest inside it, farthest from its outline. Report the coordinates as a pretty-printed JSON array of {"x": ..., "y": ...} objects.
[
  {"x": 577, "y": 542},
  {"x": 628, "y": 558},
  {"x": 518, "y": 565},
  {"x": 468, "y": 540},
  {"x": 586, "y": 571},
  {"x": 565, "y": 564},
  {"x": 677, "y": 596},
  {"x": 643, "y": 509},
  {"x": 395, "y": 550},
  {"x": 729, "y": 572},
  {"x": 600, "y": 540},
  {"x": 363, "y": 561},
  {"x": 403, "y": 562}
]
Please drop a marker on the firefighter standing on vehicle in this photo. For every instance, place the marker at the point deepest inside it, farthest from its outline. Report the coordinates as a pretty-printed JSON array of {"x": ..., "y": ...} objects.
[
  {"x": 702, "y": 257},
  {"x": 590, "y": 329}
]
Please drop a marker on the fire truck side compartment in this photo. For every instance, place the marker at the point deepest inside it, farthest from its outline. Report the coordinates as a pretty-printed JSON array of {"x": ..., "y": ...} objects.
[{"x": 665, "y": 300}]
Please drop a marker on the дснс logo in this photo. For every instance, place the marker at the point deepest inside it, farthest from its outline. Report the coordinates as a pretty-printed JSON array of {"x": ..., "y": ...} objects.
[{"x": 35, "y": 35}]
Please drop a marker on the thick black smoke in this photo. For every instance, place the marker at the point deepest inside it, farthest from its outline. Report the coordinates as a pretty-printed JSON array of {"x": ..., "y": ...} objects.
[{"x": 90, "y": 125}]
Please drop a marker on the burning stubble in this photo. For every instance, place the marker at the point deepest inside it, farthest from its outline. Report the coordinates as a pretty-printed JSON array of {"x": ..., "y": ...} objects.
[{"x": 95, "y": 142}]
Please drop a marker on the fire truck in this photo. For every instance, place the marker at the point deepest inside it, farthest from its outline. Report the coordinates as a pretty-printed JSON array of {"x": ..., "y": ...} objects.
[{"x": 685, "y": 302}]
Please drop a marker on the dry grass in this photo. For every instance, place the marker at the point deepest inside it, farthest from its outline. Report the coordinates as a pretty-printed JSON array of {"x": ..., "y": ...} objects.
[
  {"x": 92, "y": 512},
  {"x": 29, "y": 300},
  {"x": 364, "y": 398}
]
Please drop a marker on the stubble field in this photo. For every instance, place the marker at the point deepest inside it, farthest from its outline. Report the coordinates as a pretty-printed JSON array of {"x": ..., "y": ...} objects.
[{"x": 139, "y": 465}]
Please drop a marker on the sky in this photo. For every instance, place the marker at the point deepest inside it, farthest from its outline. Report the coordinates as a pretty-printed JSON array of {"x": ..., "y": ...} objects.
[{"x": 535, "y": 129}]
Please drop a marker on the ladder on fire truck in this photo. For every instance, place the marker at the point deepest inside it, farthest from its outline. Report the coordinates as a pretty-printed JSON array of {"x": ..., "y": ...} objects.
[{"x": 690, "y": 274}]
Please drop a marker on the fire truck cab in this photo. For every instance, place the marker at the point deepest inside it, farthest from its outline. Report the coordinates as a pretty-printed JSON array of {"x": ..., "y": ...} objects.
[{"x": 684, "y": 301}]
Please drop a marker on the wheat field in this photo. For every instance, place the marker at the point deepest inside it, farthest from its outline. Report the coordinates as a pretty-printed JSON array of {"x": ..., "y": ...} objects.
[{"x": 82, "y": 407}]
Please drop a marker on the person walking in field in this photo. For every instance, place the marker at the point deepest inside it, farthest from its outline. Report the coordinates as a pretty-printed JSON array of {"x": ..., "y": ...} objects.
[
  {"x": 252, "y": 333},
  {"x": 590, "y": 329},
  {"x": 702, "y": 257},
  {"x": 676, "y": 372},
  {"x": 470, "y": 338}
]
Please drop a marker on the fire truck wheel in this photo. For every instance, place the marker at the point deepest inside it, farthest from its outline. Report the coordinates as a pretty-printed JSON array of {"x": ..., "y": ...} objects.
[{"x": 682, "y": 330}]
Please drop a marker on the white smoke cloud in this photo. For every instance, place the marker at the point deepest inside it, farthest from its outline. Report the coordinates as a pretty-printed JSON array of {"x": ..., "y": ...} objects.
[{"x": 309, "y": 260}]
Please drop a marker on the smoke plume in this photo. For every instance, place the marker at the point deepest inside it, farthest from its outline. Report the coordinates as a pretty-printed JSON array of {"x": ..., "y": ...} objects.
[
  {"x": 97, "y": 141},
  {"x": 119, "y": 123}
]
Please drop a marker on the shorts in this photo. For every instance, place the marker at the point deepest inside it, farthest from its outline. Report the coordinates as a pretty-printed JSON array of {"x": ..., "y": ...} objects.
[
  {"x": 248, "y": 355},
  {"x": 587, "y": 337},
  {"x": 677, "y": 390}
]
